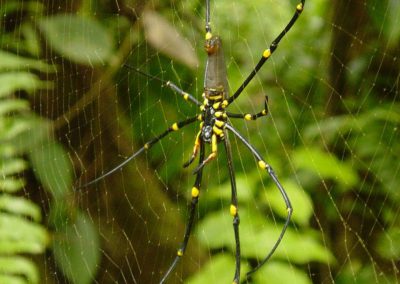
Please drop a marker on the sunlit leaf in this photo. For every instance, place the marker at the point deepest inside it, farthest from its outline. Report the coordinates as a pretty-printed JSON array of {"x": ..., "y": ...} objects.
[
  {"x": 13, "y": 105},
  {"x": 12, "y": 62},
  {"x": 52, "y": 167},
  {"x": 19, "y": 206},
  {"x": 388, "y": 244},
  {"x": 15, "y": 265},
  {"x": 325, "y": 165},
  {"x": 301, "y": 202},
  {"x": 258, "y": 235},
  {"x": 11, "y": 184},
  {"x": 12, "y": 166},
  {"x": 11, "y": 82},
  {"x": 280, "y": 273},
  {"x": 76, "y": 250},
  {"x": 24, "y": 237},
  {"x": 80, "y": 39},
  {"x": 220, "y": 269}
]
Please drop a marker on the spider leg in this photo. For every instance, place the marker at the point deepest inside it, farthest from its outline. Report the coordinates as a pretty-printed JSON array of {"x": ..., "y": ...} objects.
[
  {"x": 263, "y": 165},
  {"x": 195, "y": 150},
  {"x": 249, "y": 116},
  {"x": 174, "y": 127},
  {"x": 268, "y": 52},
  {"x": 169, "y": 84},
  {"x": 234, "y": 207},
  {"x": 212, "y": 156},
  {"x": 189, "y": 224}
]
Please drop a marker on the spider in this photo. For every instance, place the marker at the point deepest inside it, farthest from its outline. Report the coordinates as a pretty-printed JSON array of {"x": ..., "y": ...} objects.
[{"x": 214, "y": 128}]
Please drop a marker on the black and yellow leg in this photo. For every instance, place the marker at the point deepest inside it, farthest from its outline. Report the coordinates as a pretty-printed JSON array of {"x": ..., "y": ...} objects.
[
  {"x": 268, "y": 52},
  {"x": 233, "y": 209},
  {"x": 249, "y": 116},
  {"x": 193, "y": 205},
  {"x": 195, "y": 150},
  {"x": 213, "y": 154},
  {"x": 264, "y": 166},
  {"x": 174, "y": 127}
]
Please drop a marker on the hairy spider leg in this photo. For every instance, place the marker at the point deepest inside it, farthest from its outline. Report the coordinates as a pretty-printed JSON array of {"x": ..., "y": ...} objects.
[{"x": 263, "y": 165}]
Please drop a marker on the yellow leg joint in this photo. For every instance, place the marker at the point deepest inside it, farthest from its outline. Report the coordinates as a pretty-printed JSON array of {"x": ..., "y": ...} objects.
[
  {"x": 208, "y": 35},
  {"x": 175, "y": 126},
  {"x": 262, "y": 164},
  {"x": 195, "y": 192},
  {"x": 146, "y": 146},
  {"x": 264, "y": 112},
  {"x": 233, "y": 210},
  {"x": 248, "y": 116},
  {"x": 225, "y": 103},
  {"x": 180, "y": 252},
  {"x": 186, "y": 96},
  {"x": 299, "y": 7},
  {"x": 267, "y": 53}
]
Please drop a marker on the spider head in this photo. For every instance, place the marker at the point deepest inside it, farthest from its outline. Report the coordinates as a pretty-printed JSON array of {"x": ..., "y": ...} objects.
[{"x": 213, "y": 44}]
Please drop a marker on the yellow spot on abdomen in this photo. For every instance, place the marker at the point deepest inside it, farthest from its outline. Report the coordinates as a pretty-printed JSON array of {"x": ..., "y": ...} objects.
[{"x": 233, "y": 210}]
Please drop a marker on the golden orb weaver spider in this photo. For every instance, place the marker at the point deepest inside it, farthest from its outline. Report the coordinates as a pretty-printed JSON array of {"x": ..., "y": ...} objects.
[{"x": 214, "y": 127}]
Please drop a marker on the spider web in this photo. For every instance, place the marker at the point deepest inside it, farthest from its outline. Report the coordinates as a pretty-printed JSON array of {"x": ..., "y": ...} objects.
[{"x": 331, "y": 136}]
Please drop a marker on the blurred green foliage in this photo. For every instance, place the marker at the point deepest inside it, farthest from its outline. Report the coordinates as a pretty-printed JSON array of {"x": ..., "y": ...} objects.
[{"x": 332, "y": 133}]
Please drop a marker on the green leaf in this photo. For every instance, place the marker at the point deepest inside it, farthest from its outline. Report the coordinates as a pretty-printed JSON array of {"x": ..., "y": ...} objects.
[
  {"x": 388, "y": 244},
  {"x": 52, "y": 167},
  {"x": 11, "y": 184},
  {"x": 301, "y": 202},
  {"x": 385, "y": 17},
  {"x": 11, "y": 82},
  {"x": 219, "y": 269},
  {"x": 15, "y": 265},
  {"x": 12, "y": 166},
  {"x": 25, "y": 236},
  {"x": 83, "y": 40},
  {"x": 20, "y": 206},
  {"x": 280, "y": 273},
  {"x": 10, "y": 61},
  {"x": 325, "y": 165},
  {"x": 35, "y": 133},
  {"x": 76, "y": 250},
  {"x": 258, "y": 235},
  {"x": 12, "y": 279},
  {"x": 13, "y": 105}
]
